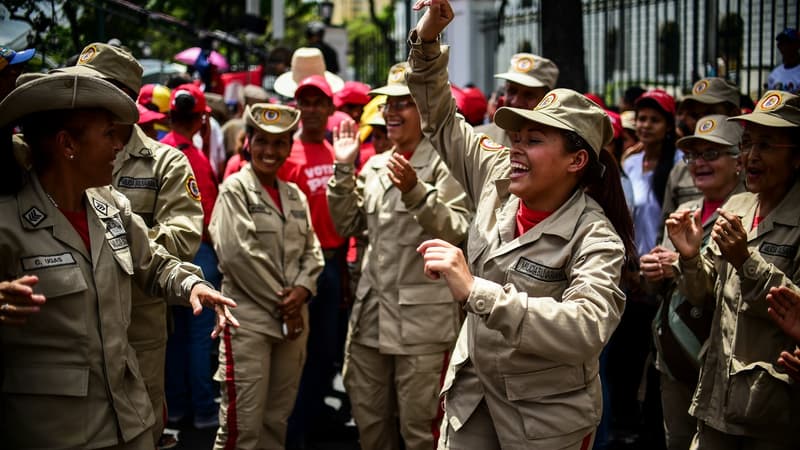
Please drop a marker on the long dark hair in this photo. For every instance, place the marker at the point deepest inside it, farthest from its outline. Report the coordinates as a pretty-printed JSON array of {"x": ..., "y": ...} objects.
[
  {"x": 11, "y": 172},
  {"x": 666, "y": 159},
  {"x": 601, "y": 180}
]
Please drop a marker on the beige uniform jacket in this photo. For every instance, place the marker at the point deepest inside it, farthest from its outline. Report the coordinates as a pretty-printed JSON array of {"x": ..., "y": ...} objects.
[
  {"x": 70, "y": 379},
  {"x": 496, "y": 133},
  {"x": 543, "y": 305},
  {"x": 263, "y": 249},
  {"x": 397, "y": 308},
  {"x": 741, "y": 389},
  {"x": 156, "y": 178}
]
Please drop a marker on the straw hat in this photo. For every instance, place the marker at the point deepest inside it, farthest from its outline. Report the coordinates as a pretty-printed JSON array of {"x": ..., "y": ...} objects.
[
  {"x": 67, "y": 91},
  {"x": 306, "y": 61}
]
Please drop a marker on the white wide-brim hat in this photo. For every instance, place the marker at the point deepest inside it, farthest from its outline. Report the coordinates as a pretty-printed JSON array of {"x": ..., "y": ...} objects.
[{"x": 306, "y": 61}]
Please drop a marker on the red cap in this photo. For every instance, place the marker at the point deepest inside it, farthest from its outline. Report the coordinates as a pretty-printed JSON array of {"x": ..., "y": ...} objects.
[
  {"x": 192, "y": 90},
  {"x": 146, "y": 94},
  {"x": 616, "y": 123},
  {"x": 148, "y": 115},
  {"x": 353, "y": 92},
  {"x": 596, "y": 98},
  {"x": 662, "y": 100},
  {"x": 471, "y": 102},
  {"x": 314, "y": 81}
]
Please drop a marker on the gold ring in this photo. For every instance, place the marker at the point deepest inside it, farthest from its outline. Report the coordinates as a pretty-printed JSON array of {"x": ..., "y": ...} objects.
[
  {"x": 5, "y": 307},
  {"x": 298, "y": 330}
]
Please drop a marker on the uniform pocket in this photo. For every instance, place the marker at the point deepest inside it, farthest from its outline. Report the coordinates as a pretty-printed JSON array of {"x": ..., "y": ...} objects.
[
  {"x": 755, "y": 397},
  {"x": 553, "y": 402},
  {"x": 61, "y": 381},
  {"x": 60, "y": 281},
  {"x": 428, "y": 314}
]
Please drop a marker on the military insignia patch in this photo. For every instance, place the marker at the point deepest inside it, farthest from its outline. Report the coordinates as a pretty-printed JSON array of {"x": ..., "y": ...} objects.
[
  {"x": 547, "y": 101},
  {"x": 87, "y": 56},
  {"x": 700, "y": 87},
  {"x": 270, "y": 115},
  {"x": 539, "y": 271},
  {"x": 34, "y": 216},
  {"x": 524, "y": 64},
  {"x": 99, "y": 206},
  {"x": 770, "y": 102},
  {"x": 707, "y": 126},
  {"x": 488, "y": 144},
  {"x": 192, "y": 188}
]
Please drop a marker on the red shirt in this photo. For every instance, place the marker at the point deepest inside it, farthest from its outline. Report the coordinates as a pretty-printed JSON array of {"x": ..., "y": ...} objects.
[
  {"x": 310, "y": 165},
  {"x": 80, "y": 223},
  {"x": 528, "y": 218},
  {"x": 276, "y": 196},
  {"x": 206, "y": 182},
  {"x": 709, "y": 207}
]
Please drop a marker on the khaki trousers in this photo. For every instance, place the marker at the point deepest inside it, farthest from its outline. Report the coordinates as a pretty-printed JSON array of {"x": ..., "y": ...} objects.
[
  {"x": 386, "y": 388},
  {"x": 679, "y": 426},
  {"x": 259, "y": 378},
  {"x": 148, "y": 336}
]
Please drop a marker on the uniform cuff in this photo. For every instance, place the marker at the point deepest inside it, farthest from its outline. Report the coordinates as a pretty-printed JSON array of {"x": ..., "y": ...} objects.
[
  {"x": 415, "y": 196},
  {"x": 482, "y": 297},
  {"x": 343, "y": 175},
  {"x": 750, "y": 268},
  {"x": 426, "y": 50},
  {"x": 691, "y": 265}
]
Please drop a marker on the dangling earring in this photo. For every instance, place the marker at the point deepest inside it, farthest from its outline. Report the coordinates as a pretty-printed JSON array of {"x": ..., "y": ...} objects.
[{"x": 71, "y": 157}]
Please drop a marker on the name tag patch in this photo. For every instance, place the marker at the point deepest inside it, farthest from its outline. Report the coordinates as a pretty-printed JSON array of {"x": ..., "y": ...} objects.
[
  {"x": 783, "y": 251},
  {"x": 41, "y": 262},
  {"x": 300, "y": 214},
  {"x": 539, "y": 271},
  {"x": 138, "y": 183},
  {"x": 257, "y": 208}
]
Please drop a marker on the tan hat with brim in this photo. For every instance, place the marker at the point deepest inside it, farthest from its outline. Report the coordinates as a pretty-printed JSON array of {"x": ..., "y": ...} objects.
[
  {"x": 271, "y": 118},
  {"x": 28, "y": 76},
  {"x": 531, "y": 70},
  {"x": 564, "y": 109},
  {"x": 715, "y": 128},
  {"x": 306, "y": 61},
  {"x": 775, "y": 109},
  {"x": 396, "y": 84},
  {"x": 714, "y": 90},
  {"x": 67, "y": 91}
]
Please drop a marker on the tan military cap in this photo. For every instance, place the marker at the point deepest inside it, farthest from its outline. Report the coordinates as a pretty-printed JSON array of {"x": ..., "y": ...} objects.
[
  {"x": 531, "y": 70},
  {"x": 628, "y": 120},
  {"x": 67, "y": 91},
  {"x": 396, "y": 84},
  {"x": 715, "y": 128},
  {"x": 109, "y": 63},
  {"x": 775, "y": 109},
  {"x": 714, "y": 90},
  {"x": 564, "y": 109},
  {"x": 271, "y": 118}
]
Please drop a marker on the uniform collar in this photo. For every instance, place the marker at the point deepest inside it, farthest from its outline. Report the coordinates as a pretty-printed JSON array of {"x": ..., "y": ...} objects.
[
  {"x": 254, "y": 184},
  {"x": 139, "y": 145}
]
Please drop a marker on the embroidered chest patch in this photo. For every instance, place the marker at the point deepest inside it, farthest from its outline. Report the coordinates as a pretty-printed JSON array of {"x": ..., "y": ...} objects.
[
  {"x": 34, "y": 216},
  {"x": 138, "y": 183},
  {"x": 783, "y": 251},
  {"x": 539, "y": 271}
]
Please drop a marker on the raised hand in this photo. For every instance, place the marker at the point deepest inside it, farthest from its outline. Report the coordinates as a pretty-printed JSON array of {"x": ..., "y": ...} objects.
[
  {"x": 731, "y": 237},
  {"x": 403, "y": 176},
  {"x": 784, "y": 309},
  {"x": 686, "y": 232},
  {"x": 435, "y": 19},
  {"x": 346, "y": 142}
]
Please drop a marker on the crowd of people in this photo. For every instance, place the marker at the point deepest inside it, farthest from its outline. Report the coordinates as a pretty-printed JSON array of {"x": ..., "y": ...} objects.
[{"x": 539, "y": 271}]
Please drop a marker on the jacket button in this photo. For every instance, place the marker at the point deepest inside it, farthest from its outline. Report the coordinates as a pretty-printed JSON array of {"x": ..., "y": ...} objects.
[{"x": 480, "y": 305}]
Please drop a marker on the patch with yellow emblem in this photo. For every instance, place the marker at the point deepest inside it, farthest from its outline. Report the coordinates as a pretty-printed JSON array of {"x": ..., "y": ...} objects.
[
  {"x": 87, "y": 55},
  {"x": 700, "y": 87},
  {"x": 707, "y": 126},
  {"x": 770, "y": 102},
  {"x": 488, "y": 144},
  {"x": 270, "y": 115},
  {"x": 192, "y": 188}
]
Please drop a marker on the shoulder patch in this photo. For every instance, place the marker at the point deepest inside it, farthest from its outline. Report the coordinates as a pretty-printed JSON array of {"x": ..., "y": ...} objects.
[
  {"x": 539, "y": 271},
  {"x": 34, "y": 216},
  {"x": 488, "y": 144},
  {"x": 99, "y": 206},
  {"x": 146, "y": 152},
  {"x": 192, "y": 188}
]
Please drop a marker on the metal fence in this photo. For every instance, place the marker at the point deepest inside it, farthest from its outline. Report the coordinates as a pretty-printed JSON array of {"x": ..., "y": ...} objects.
[{"x": 658, "y": 43}]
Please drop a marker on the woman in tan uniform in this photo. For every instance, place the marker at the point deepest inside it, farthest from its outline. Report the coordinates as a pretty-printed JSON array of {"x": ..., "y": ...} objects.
[
  {"x": 70, "y": 377},
  {"x": 541, "y": 285},
  {"x": 744, "y": 399},
  {"x": 403, "y": 325},
  {"x": 270, "y": 259}
]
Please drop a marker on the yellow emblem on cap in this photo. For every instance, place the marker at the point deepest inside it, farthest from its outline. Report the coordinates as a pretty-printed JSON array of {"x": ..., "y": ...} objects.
[
  {"x": 524, "y": 64},
  {"x": 270, "y": 115},
  {"x": 707, "y": 126},
  {"x": 547, "y": 101},
  {"x": 192, "y": 188},
  {"x": 700, "y": 87},
  {"x": 770, "y": 102},
  {"x": 488, "y": 144},
  {"x": 397, "y": 75},
  {"x": 87, "y": 55}
]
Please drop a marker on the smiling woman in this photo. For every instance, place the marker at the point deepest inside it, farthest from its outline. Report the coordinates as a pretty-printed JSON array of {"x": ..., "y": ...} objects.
[
  {"x": 546, "y": 254},
  {"x": 73, "y": 252}
]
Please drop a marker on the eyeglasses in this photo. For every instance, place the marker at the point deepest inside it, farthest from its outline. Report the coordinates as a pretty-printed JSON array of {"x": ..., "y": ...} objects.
[
  {"x": 397, "y": 106},
  {"x": 708, "y": 156},
  {"x": 762, "y": 146}
]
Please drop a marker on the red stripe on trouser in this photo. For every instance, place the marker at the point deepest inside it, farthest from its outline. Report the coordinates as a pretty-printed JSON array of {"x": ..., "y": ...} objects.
[
  {"x": 440, "y": 408},
  {"x": 230, "y": 389},
  {"x": 586, "y": 441}
]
